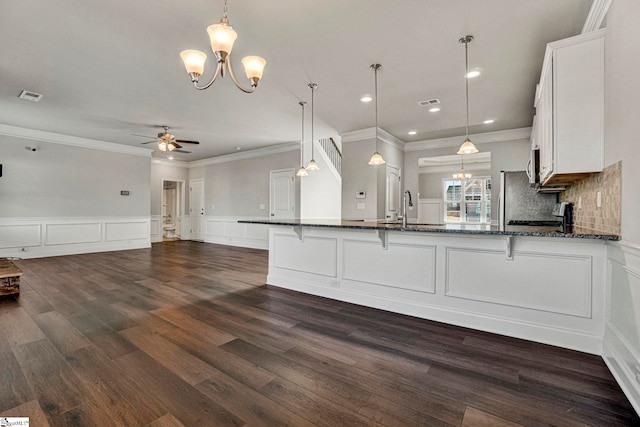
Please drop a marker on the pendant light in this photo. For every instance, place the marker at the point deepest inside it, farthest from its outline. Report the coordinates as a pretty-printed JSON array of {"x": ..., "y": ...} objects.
[
  {"x": 302, "y": 171},
  {"x": 312, "y": 166},
  {"x": 467, "y": 146},
  {"x": 376, "y": 159}
]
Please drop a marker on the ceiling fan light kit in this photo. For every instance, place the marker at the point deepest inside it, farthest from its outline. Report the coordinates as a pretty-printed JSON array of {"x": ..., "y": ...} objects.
[
  {"x": 168, "y": 142},
  {"x": 222, "y": 37}
]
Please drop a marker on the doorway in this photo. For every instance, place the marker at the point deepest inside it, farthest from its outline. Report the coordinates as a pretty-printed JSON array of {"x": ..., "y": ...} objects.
[
  {"x": 173, "y": 207},
  {"x": 392, "y": 195}
]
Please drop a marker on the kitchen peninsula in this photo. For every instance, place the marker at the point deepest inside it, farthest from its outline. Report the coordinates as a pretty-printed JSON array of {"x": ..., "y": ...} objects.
[{"x": 528, "y": 282}]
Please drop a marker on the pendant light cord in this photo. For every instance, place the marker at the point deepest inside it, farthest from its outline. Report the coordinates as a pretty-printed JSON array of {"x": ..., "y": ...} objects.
[
  {"x": 466, "y": 78},
  {"x": 313, "y": 91},
  {"x": 302, "y": 104}
]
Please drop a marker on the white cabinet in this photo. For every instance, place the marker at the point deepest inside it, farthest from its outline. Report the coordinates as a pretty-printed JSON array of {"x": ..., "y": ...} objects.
[{"x": 569, "y": 124}]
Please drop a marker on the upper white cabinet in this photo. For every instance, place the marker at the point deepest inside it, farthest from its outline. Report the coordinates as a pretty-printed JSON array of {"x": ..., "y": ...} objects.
[{"x": 569, "y": 123}]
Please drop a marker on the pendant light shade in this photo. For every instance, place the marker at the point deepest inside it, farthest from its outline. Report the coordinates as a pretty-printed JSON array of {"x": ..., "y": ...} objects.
[
  {"x": 302, "y": 171},
  {"x": 376, "y": 159},
  {"x": 312, "y": 166},
  {"x": 467, "y": 146}
]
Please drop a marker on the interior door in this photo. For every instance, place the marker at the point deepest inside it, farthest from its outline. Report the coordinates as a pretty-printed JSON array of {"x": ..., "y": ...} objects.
[
  {"x": 196, "y": 209},
  {"x": 392, "y": 196},
  {"x": 282, "y": 194}
]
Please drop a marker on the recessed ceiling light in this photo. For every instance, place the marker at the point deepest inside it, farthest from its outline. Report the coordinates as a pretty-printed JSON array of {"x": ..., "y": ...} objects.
[
  {"x": 488, "y": 122},
  {"x": 472, "y": 74},
  {"x": 238, "y": 148},
  {"x": 366, "y": 98},
  {"x": 434, "y": 109},
  {"x": 412, "y": 132},
  {"x": 170, "y": 157}
]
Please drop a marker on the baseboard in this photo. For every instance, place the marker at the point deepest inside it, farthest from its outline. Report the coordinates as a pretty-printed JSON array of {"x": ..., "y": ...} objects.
[
  {"x": 622, "y": 361},
  {"x": 239, "y": 242}
]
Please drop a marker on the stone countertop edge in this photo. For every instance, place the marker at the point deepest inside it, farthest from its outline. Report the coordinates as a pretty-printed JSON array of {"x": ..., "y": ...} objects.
[{"x": 450, "y": 228}]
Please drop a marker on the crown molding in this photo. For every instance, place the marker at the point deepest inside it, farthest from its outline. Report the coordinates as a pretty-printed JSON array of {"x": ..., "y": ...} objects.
[
  {"x": 57, "y": 138},
  {"x": 478, "y": 138},
  {"x": 249, "y": 154},
  {"x": 370, "y": 133},
  {"x": 596, "y": 16}
]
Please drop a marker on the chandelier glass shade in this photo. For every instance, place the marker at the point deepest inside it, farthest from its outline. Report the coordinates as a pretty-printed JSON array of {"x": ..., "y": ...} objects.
[{"x": 222, "y": 37}]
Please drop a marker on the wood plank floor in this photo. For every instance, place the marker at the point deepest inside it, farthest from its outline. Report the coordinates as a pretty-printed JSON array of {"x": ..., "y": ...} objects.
[{"x": 187, "y": 334}]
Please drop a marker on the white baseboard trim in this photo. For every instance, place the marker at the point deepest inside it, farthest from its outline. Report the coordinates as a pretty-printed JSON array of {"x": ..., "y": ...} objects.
[
  {"x": 45, "y": 237},
  {"x": 621, "y": 360},
  {"x": 575, "y": 340}
]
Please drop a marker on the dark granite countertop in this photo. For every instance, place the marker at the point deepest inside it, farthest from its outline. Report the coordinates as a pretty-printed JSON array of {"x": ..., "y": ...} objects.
[{"x": 510, "y": 230}]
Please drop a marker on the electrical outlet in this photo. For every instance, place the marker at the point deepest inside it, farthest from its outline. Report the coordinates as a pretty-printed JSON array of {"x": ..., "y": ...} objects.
[
  {"x": 24, "y": 249},
  {"x": 262, "y": 207},
  {"x": 335, "y": 283},
  {"x": 360, "y": 206}
]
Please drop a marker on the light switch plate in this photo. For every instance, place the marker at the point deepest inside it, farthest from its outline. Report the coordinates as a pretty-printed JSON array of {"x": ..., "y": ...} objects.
[{"x": 599, "y": 199}]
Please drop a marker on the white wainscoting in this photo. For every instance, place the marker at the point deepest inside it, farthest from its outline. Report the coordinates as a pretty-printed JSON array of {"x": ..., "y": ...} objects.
[
  {"x": 622, "y": 334},
  {"x": 227, "y": 231},
  {"x": 41, "y": 237},
  {"x": 155, "y": 228},
  {"x": 550, "y": 290}
]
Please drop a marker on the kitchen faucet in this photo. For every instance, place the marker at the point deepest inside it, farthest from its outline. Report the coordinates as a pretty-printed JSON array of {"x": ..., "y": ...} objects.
[{"x": 404, "y": 206}]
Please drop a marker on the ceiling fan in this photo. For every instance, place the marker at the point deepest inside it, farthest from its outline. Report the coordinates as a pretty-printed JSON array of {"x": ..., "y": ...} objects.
[{"x": 168, "y": 142}]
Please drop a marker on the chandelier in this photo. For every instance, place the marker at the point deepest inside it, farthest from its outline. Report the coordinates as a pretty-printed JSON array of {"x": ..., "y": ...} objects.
[{"x": 222, "y": 37}]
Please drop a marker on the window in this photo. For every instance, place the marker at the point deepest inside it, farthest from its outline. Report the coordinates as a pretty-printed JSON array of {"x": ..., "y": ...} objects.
[{"x": 467, "y": 200}]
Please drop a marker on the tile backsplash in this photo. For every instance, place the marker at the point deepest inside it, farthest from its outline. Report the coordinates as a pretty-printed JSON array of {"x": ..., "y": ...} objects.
[{"x": 606, "y": 218}]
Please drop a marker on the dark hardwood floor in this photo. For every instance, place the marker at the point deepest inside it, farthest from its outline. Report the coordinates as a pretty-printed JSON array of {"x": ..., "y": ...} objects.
[{"x": 188, "y": 334}]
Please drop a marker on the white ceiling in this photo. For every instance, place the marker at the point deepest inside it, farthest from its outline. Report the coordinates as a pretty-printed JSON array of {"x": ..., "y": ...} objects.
[{"x": 108, "y": 69}]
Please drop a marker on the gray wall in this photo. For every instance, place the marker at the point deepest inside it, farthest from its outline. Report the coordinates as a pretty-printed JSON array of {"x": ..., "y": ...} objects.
[
  {"x": 60, "y": 180},
  {"x": 237, "y": 188},
  {"x": 505, "y": 155},
  {"x": 358, "y": 175}
]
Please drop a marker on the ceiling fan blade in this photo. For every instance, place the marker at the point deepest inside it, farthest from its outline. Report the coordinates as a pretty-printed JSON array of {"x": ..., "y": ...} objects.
[
  {"x": 143, "y": 136},
  {"x": 149, "y": 142},
  {"x": 181, "y": 151},
  {"x": 183, "y": 141}
]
